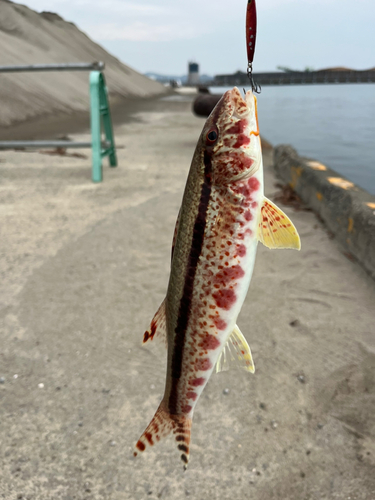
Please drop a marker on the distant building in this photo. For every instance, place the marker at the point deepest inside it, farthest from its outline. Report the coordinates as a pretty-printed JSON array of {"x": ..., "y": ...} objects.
[{"x": 193, "y": 73}]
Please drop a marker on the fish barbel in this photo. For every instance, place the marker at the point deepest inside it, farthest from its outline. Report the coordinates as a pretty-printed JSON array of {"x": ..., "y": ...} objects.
[{"x": 223, "y": 215}]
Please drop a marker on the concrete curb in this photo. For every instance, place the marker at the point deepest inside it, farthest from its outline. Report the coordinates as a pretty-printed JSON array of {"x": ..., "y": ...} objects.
[{"x": 347, "y": 210}]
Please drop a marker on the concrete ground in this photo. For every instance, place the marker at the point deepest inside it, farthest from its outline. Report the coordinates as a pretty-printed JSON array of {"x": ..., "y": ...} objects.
[{"x": 83, "y": 269}]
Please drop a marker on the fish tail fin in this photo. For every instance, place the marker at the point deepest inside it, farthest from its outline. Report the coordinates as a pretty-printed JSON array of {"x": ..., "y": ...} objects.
[
  {"x": 161, "y": 425},
  {"x": 182, "y": 432}
]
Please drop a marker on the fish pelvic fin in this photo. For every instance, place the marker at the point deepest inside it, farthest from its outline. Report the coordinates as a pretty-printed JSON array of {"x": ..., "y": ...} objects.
[
  {"x": 161, "y": 425},
  {"x": 276, "y": 230},
  {"x": 236, "y": 353},
  {"x": 158, "y": 327}
]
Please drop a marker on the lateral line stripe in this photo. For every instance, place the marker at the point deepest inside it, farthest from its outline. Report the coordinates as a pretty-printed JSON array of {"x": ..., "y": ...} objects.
[{"x": 185, "y": 304}]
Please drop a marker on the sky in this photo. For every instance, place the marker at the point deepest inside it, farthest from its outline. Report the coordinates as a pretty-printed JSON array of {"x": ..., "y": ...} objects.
[{"x": 163, "y": 35}]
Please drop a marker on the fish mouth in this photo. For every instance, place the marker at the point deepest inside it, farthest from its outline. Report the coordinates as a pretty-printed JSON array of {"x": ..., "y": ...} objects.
[
  {"x": 244, "y": 107},
  {"x": 241, "y": 106}
]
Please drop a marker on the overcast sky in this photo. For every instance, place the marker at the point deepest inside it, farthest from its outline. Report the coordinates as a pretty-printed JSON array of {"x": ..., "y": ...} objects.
[{"x": 162, "y": 35}]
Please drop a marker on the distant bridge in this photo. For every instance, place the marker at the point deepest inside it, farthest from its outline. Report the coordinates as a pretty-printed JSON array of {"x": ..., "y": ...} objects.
[{"x": 297, "y": 78}]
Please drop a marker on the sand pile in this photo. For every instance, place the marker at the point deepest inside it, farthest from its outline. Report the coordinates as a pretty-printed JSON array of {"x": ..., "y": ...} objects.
[{"x": 27, "y": 37}]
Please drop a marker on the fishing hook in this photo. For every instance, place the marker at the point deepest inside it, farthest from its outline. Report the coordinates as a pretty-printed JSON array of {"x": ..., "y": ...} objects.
[{"x": 255, "y": 87}]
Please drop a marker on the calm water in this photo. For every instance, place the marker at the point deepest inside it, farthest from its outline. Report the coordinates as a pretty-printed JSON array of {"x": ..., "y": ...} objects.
[{"x": 334, "y": 124}]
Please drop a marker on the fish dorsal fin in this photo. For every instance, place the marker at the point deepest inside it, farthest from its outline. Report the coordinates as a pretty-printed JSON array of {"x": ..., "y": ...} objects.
[
  {"x": 158, "y": 327},
  {"x": 235, "y": 354},
  {"x": 276, "y": 230}
]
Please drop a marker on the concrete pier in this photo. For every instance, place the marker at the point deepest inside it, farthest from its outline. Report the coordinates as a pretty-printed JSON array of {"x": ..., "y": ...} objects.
[
  {"x": 83, "y": 269},
  {"x": 347, "y": 210}
]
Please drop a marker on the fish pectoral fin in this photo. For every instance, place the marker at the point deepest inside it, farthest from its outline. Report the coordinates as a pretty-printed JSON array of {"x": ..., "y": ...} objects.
[
  {"x": 275, "y": 229},
  {"x": 235, "y": 354},
  {"x": 158, "y": 326}
]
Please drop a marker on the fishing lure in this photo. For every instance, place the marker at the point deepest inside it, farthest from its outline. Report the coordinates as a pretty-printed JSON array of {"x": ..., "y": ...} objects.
[{"x": 251, "y": 34}]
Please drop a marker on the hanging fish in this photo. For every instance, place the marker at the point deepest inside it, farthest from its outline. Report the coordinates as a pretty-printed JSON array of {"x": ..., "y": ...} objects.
[{"x": 224, "y": 214}]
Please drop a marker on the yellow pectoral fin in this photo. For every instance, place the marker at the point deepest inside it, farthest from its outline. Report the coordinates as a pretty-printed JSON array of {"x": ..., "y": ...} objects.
[{"x": 275, "y": 229}]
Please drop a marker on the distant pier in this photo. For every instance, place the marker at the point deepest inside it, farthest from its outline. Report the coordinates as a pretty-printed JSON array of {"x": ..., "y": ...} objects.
[{"x": 297, "y": 78}]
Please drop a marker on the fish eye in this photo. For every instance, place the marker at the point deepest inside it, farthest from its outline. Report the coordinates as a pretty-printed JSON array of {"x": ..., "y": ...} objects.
[{"x": 212, "y": 136}]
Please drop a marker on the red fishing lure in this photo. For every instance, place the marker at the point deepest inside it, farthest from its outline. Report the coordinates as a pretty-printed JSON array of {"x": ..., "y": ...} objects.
[
  {"x": 251, "y": 29},
  {"x": 251, "y": 34}
]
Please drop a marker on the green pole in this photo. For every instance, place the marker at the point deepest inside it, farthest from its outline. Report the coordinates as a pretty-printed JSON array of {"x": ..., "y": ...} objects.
[
  {"x": 107, "y": 122},
  {"x": 97, "y": 174}
]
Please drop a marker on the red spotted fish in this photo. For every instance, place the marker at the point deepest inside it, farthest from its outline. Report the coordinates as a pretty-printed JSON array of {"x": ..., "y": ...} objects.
[{"x": 223, "y": 215}]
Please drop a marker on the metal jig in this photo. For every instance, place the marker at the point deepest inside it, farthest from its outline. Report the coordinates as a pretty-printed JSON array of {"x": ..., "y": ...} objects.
[{"x": 251, "y": 33}]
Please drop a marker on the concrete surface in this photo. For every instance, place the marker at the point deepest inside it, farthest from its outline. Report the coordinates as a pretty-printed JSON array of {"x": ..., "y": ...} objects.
[
  {"x": 347, "y": 210},
  {"x": 83, "y": 269}
]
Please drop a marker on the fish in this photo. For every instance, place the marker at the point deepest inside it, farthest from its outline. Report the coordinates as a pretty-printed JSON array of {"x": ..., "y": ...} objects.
[{"x": 223, "y": 215}]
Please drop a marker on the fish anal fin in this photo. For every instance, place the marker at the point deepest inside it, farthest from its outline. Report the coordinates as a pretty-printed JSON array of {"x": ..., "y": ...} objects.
[
  {"x": 275, "y": 229},
  {"x": 236, "y": 353},
  {"x": 161, "y": 425},
  {"x": 158, "y": 326}
]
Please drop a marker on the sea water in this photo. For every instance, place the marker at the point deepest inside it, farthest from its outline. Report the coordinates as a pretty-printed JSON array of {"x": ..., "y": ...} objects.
[{"x": 334, "y": 124}]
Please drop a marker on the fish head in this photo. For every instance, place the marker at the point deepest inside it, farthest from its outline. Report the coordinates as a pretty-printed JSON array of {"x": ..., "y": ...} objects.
[{"x": 230, "y": 138}]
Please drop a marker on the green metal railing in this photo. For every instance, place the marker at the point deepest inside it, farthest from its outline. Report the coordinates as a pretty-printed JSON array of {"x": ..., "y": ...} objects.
[{"x": 99, "y": 112}]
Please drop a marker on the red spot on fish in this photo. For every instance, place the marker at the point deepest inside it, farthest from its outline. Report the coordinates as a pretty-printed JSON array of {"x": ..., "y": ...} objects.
[
  {"x": 149, "y": 334},
  {"x": 242, "y": 140},
  {"x": 254, "y": 183},
  {"x": 244, "y": 190},
  {"x": 196, "y": 382},
  {"x": 186, "y": 409},
  {"x": 209, "y": 342},
  {"x": 220, "y": 323},
  {"x": 241, "y": 250},
  {"x": 140, "y": 446},
  {"x": 231, "y": 163},
  {"x": 248, "y": 215},
  {"x": 192, "y": 395},
  {"x": 238, "y": 127},
  {"x": 225, "y": 298},
  {"x": 254, "y": 204},
  {"x": 227, "y": 275},
  {"x": 203, "y": 364},
  {"x": 148, "y": 436}
]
